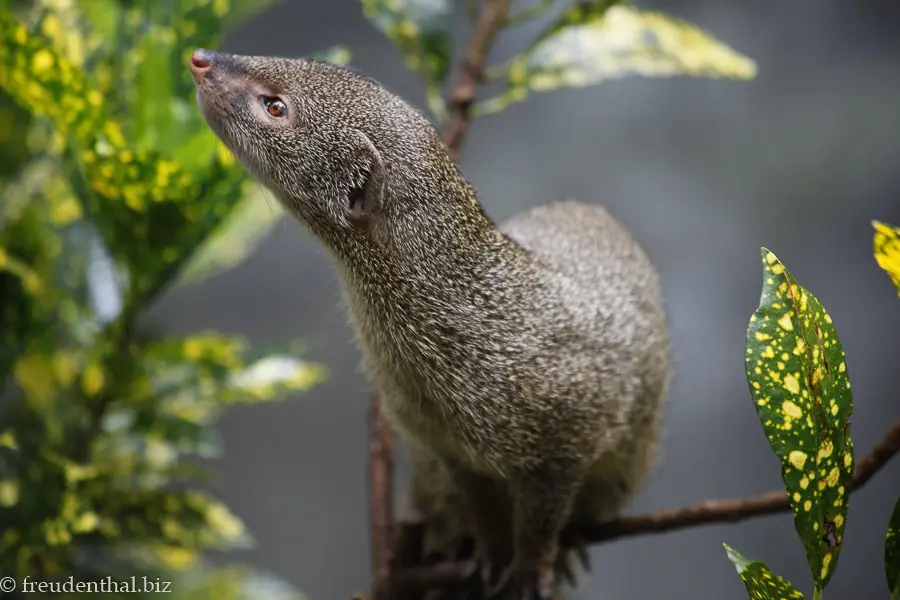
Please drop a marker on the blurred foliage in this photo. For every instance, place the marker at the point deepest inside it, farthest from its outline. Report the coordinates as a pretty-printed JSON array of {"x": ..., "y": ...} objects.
[
  {"x": 421, "y": 31},
  {"x": 595, "y": 41},
  {"x": 112, "y": 190},
  {"x": 589, "y": 42}
]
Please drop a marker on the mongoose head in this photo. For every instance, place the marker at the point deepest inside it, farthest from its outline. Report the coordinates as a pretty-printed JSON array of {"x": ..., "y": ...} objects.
[{"x": 337, "y": 148}]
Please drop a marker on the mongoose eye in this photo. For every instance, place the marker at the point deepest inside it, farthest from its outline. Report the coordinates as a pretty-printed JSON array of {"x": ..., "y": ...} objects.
[{"x": 273, "y": 106}]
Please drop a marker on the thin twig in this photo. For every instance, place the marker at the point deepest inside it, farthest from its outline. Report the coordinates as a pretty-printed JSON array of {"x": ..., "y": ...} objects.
[
  {"x": 381, "y": 481},
  {"x": 491, "y": 18},
  {"x": 704, "y": 513}
]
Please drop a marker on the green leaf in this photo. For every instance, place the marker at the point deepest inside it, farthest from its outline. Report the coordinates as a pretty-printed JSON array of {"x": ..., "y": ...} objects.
[
  {"x": 14, "y": 126},
  {"x": 421, "y": 29},
  {"x": 241, "y": 11},
  {"x": 761, "y": 583},
  {"x": 892, "y": 553},
  {"x": 592, "y": 42},
  {"x": 234, "y": 240},
  {"x": 887, "y": 250},
  {"x": 798, "y": 379},
  {"x": 336, "y": 55}
]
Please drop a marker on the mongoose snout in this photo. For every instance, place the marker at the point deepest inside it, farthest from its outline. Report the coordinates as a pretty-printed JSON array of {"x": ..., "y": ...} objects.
[{"x": 201, "y": 61}]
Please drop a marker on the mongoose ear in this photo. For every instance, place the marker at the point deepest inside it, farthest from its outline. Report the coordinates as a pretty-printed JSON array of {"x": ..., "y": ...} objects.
[{"x": 364, "y": 201}]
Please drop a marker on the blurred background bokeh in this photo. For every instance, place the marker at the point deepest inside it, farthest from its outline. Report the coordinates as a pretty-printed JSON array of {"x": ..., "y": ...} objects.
[{"x": 704, "y": 172}]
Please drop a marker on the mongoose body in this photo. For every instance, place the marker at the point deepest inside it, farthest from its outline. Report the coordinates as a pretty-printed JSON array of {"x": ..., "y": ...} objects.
[{"x": 529, "y": 360}]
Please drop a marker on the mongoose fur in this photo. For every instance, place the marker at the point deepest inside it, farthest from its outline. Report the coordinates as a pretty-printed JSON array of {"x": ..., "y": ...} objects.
[{"x": 531, "y": 360}]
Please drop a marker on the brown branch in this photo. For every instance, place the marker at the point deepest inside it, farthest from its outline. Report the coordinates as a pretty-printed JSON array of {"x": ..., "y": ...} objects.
[
  {"x": 705, "y": 513},
  {"x": 381, "y": 481},
  {"x": 489, "y": 21}
]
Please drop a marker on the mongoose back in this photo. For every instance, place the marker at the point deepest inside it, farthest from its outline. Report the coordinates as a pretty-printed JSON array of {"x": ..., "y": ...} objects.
[{"x": 529, "y": 360}]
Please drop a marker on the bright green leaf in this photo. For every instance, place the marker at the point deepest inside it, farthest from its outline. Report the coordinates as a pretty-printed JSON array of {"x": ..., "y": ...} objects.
[
  {"x": 234, "y": 240},
  {"x": 421, "y": 30},
  {"x": 592, "y": 42},
  {"x": 761, "y": 583},
  {"x": 892, "y": 553},
  {"x": 798, "y": 379},
  {"x": 887, "y": 250}
]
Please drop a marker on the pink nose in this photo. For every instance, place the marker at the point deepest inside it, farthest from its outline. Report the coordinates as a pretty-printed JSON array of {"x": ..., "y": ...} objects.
[{"x": 201, "y": 62}]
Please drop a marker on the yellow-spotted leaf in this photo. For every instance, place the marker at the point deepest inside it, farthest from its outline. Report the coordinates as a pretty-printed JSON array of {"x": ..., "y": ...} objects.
[
  {"x": 185, "y": 519},
  {"x": 593, "y": 41},
  {"x": 761, "y": 583},
  {"x": 212, "y": 367},
  {"x": 148, "y": 198},
  {"x": 892, "y": 553},
  {"x": 887, "y": 250},
  {"x": 234, "y": 240},
  {"x": 799, "y": 382},
  {"x": 421, "y": 30},
  {"x": 271, "y": 377}
]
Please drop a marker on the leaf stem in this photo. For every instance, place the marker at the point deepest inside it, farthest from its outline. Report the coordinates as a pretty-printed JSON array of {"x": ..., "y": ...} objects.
[{"x": 817, "y": 592}]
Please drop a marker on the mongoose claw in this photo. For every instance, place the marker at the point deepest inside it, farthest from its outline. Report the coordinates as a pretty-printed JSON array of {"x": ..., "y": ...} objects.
[
  {"x": 578, "y": 545},
  {"x": 495, "y": 579}
]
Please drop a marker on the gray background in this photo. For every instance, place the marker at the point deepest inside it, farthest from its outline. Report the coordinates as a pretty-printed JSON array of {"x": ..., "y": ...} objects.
[{"x": 704, "y": 173}]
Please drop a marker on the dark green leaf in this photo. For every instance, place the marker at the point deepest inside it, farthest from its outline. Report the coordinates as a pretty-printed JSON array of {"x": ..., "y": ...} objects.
[
  {"x": 887, "y": 250},
  {"x": 421, "y": 30},
  {"x": 892, "y": 553},
  {"x": 14, "y": 126},
  {"x": 761, "y": 583},
  {"x": 798, "y": 378},
  {"x": 594, "y": 41}
]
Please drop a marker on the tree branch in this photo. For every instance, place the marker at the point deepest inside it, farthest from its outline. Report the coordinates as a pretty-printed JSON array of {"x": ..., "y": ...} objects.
[
  {"x": 419, "y": 579},
  {"x": 381, "y": 480},
  {"x": 491, "y": 18}
]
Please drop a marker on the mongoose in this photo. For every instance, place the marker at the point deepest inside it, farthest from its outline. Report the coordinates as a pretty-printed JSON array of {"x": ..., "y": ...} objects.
[{"x": 530, "y": 359}]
